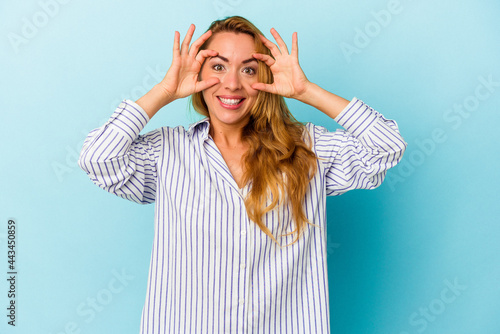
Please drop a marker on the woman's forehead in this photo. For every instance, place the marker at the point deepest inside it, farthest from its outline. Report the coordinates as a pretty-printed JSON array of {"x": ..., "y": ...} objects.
[{"x": 230, "y": 42}]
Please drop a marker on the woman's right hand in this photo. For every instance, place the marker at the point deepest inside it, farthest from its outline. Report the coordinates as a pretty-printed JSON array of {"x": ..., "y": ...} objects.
[{"x": 181, "y": 79}]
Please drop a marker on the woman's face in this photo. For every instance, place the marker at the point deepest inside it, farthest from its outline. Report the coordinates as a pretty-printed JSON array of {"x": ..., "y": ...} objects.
[{"x": 229, "y": 102}]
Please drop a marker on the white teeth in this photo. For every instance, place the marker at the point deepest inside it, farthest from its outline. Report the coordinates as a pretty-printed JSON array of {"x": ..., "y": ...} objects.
[{"x": 231, "y": 102}]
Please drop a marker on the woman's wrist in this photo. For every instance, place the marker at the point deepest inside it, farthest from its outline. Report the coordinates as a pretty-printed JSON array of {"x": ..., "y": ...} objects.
[
  {"x": 323, "y": 100},
  {"x": 154, "y": 100},
  {"x": 307, "y": 96}
]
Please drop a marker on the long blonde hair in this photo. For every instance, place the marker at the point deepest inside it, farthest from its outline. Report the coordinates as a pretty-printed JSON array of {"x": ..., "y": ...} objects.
[{"x": 278, "y": 163}]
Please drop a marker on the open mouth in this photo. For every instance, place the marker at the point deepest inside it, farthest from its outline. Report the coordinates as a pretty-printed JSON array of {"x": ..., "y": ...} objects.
[{"x": 230, "y": 102}]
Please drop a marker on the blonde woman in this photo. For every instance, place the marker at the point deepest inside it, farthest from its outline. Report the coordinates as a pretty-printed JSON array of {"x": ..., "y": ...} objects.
[{"x": 240, "y": 240}]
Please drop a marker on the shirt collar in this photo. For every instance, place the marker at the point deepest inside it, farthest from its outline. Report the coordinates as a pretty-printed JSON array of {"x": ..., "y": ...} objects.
[{"x": 200, "y": 128}]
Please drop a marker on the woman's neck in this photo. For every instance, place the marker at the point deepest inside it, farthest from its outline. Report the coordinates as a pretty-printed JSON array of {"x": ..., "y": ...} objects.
[{"x": 227, "y": 136}]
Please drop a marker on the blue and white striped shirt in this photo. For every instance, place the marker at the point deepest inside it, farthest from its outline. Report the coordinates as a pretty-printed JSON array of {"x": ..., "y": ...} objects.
[{"x": 212, "y": 269}]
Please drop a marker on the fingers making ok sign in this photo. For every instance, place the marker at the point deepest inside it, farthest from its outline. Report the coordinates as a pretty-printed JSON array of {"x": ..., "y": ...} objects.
[
  {"x": 289, "y": 79},
  {"x": 181, "y": 79}
]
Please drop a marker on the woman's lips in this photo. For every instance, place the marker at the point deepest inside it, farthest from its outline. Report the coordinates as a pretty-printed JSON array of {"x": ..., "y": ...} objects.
[{"x": 231, "y": 102}]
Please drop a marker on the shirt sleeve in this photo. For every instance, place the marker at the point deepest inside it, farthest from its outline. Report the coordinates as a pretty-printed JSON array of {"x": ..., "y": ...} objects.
[
  {"x": 359, "y": 156},
  {"x": 118, "y": 159}
]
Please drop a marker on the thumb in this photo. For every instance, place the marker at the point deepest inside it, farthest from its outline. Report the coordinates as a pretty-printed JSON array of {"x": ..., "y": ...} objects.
[
  {"x": 269, "y": 88},
  {"x": 202, "y": 85}
]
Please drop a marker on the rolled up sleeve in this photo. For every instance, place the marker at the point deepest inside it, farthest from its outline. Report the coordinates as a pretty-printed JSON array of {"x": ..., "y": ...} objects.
[
  {"x": 358, "y": 156},
  {"x": 118, "y": 159}
]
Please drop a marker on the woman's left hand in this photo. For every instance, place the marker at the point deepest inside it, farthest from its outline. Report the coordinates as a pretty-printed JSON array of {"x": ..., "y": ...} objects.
[{"x": 289, "y": 79}]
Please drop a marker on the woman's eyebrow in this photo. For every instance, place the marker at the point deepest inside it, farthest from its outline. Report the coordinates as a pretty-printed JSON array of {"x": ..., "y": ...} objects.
[
  {"x": 227, "y": 60},
  {"x": 249, "y": 60}
]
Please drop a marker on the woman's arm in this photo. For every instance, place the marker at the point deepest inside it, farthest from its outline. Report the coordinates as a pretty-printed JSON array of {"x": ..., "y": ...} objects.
[
  {"x": 355, "y": 158},
  {"x": 323, "y": 100},
  {"x": 119, "y": 160},
  {"x": 115, "y": 156},
  {"x": 359, "y": 156}
]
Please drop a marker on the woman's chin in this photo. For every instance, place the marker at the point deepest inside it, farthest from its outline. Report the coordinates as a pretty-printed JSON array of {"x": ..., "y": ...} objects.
[{"x": 230, "y": 117}]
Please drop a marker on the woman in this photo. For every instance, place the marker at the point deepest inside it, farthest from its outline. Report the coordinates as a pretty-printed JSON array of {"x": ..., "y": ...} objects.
[{"x": 240, "y": 196}]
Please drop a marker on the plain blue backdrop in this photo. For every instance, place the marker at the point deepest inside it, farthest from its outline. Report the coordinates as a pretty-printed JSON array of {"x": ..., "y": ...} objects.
[{"x": 417, "y": 255}]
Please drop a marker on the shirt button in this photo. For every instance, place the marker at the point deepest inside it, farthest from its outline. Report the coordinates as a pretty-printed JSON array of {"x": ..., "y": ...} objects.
[
  {"x": 242, "y": 266},
  {"x": 243, "y": 232},
  {"x": 242, "y": 301}
]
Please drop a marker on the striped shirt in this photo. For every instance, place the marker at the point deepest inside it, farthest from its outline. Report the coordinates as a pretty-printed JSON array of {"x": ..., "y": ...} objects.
[{"x": 213, "y": 270}]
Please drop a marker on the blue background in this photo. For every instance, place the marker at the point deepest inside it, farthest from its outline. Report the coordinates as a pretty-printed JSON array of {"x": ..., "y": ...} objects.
[{"x": 393, "y": 252}]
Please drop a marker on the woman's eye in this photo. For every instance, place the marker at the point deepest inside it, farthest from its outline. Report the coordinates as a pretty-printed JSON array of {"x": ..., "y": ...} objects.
[
  {"x": 218, "y": 67},
  {"x": 249, "y": 70}
]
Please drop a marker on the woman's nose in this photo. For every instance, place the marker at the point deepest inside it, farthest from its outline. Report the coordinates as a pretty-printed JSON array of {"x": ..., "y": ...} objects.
[{"x": 232, "y": 80}]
